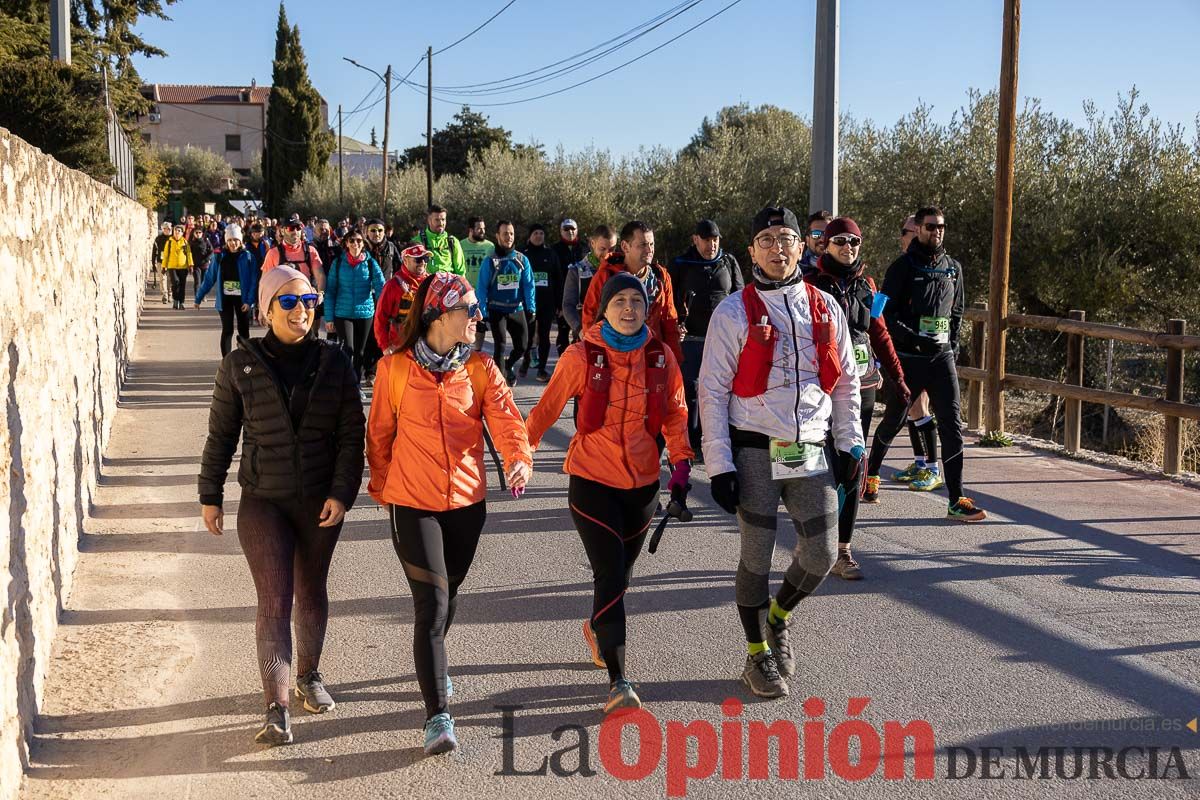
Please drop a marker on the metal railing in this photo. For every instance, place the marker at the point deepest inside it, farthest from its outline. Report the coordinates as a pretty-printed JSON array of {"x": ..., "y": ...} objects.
[
  {"x": 121, "y": 156},
  {"x": 1072, "y": 390}
]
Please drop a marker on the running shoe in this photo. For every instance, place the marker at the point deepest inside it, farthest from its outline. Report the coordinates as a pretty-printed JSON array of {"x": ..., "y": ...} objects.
[
  {"x": 439, "y": 735},
  {"x": 927, "y": 480},
  {"x": 965, "y": 510},
  {"x": 543, "y": 376},
  {"x": 277, "y": 729},
  {"x": 870, "y": 494},
  {"x": 621, "y": 695},
  {"x": 589, "y": 636},
  {"x": 908, "y": 474},
  {"x": 846, "y": 567},
  {"x": 311, "y": 688},
  {"x": 761, "y": 675},
  {"x": 781, "y": 647},
  {"x": 510, "y": 376}
]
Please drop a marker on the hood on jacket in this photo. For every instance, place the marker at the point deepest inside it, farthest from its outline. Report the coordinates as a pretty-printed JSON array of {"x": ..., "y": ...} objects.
[{"x": 692, "y": 256}]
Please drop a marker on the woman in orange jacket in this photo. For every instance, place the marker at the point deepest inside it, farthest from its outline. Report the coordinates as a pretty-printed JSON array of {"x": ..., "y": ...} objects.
[
  {"x": 425, "y": 451},
  {"x": 629, "y": 390}
]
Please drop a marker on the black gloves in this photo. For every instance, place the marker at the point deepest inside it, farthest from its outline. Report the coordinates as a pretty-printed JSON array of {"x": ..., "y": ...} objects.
[
  {"x": 848, "y": 465},
  {"x": 725, "y": 491}
]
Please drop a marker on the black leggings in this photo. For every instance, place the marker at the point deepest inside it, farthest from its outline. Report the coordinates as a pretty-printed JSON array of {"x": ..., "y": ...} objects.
[
  {"x": 436, "y": 549},
  {"x": 289, "y": 559},
  {"x": 178, "y": 284},
  {"x": 849, "y": 512},
  {"x": 354, "y": 334},
  {"x": 231, "y": 311},
  {"x": 545, "y": 326},
  {"x": 612, "y": 524},
  {"x": 517, "y": 327},
  {"x": 939, "y": 377}
]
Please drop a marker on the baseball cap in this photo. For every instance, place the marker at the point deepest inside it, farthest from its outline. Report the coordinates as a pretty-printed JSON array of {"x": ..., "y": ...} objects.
[
  {"x": 294, "y": 221},
  {"x": 774, "y": 215},
  {"x": 568, "y": 223},
  {"x": 416, "y": 251},
  {"x": 707, "y": 229}
]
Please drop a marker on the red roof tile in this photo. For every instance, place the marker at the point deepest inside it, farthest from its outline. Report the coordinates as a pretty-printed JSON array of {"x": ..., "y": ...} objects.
[{"x": 187, "y": 94}]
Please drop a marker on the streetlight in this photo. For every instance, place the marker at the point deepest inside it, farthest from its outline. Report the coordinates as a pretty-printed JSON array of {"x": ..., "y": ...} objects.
[{"x": 386, "y": 77}]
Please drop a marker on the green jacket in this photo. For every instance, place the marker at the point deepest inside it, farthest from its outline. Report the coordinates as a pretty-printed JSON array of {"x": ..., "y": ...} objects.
[{"x": 445, "y": 253}]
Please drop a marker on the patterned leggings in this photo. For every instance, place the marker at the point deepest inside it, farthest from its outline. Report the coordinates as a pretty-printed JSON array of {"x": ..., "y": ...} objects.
[{"x": 289, "y": 558}]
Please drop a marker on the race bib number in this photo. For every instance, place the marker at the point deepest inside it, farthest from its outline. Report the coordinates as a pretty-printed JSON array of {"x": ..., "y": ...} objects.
[
  {"x": 936, "y": 328},
  {"x": 541, "y": 279},
  {"x": 862, "y": 358},
  {"x": 231, "y": 287},
  {"x": 796, "y": 459},
  {"x": 508, "y": 280}
]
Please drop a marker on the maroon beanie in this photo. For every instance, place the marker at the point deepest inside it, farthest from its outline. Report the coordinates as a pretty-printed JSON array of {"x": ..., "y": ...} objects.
[{"x": 841, "y": 225}]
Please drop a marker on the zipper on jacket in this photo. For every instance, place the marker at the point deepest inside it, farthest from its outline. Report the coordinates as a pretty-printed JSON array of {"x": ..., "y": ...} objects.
[
  {"x": 796, "y": 347},
  {"x": 442, "y": 430}
]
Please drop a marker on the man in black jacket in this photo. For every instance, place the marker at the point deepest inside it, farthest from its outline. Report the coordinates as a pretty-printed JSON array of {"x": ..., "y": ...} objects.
[
  {"x": 924, "y": 296},
  {"x": 160, "y": 242},
  {"x": 702, "y": 277},
  {"x": 570, "y": 249},
  {"x": 548, "y": 289}
]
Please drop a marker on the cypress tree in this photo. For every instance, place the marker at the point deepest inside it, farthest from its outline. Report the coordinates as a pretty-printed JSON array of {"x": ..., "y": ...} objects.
[{"x": 296, "y": 140}]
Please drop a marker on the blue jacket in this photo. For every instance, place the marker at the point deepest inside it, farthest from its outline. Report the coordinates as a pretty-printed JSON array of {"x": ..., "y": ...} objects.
[
  {"x": 247, "y": 275},
  {"x": 351, "y": 292},
  {"x": 505, "y": 284}
]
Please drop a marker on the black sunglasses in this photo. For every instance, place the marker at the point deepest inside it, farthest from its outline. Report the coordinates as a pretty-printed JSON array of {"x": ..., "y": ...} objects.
[
  {"x": 933, "y": 226},
  {"x": 288, "y": 301}
]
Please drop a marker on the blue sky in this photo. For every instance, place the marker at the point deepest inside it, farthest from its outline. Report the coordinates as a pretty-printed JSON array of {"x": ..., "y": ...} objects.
[{"x": 895, "y": 53}]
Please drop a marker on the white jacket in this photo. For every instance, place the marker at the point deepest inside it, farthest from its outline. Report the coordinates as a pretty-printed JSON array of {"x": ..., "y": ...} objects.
[{"x": 793, "y": 408}]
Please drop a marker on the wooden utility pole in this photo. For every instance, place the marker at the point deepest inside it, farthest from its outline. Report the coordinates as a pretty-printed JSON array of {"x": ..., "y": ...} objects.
[
  {"x": 341, "y": 196},
  {"x": 387, "y": 120},
  {"x": 1002, "y": 217},
  {"x": 429, "y": 129}
]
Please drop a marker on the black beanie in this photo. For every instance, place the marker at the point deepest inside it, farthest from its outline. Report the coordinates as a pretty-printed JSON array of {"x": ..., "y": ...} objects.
[{"x": 617, "y": 283}]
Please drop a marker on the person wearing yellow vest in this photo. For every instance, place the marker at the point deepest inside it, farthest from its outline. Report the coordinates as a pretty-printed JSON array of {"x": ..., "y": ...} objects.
[
  {"x": 177, "y": 262},
  {"x": 779, "y": 406},
  {"x": 425, "y": 448}
]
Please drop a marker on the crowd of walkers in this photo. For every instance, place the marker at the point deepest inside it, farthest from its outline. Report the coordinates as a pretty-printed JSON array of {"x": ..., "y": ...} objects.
[{"x": 768, "y": 376}]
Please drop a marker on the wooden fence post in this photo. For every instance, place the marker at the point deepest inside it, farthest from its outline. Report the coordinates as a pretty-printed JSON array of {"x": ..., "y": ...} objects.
[
  {"x": 1173, "y": 426},
  {"x": 1073, "y": 419},
  {"x": 975, "y": 388}
]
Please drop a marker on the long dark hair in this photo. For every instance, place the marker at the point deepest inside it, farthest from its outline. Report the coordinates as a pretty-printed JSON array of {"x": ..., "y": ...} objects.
[{"x": 415, "y": 325}]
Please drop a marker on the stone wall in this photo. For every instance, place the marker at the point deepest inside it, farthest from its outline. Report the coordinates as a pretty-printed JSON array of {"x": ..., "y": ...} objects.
[{"x": 73, "y": 258}]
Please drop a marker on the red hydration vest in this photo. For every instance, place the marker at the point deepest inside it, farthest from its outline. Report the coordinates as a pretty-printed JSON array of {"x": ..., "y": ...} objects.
[
  {"x": 758, "y": 354},
  {"x": 594, "y": 402}
]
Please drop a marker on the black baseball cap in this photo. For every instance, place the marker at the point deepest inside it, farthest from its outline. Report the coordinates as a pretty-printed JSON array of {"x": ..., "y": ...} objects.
[
  {"x": 294, "y": 221},
  {"x": 774, "y": 215},
  {"x": 707, "y": 229},
  {"x": 375, "y": 221}
]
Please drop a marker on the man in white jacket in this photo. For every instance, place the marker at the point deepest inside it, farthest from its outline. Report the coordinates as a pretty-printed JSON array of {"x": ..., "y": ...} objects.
[{"x": 779, "y": 406}]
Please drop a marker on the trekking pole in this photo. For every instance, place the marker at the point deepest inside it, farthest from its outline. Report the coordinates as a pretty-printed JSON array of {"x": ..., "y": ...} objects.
[
  {"x": 487, "y": 438},
  {"x": 677, "y": 508}
]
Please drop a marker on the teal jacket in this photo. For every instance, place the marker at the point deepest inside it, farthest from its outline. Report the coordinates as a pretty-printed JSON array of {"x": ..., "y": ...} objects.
[{"x": 352, "y": 291}]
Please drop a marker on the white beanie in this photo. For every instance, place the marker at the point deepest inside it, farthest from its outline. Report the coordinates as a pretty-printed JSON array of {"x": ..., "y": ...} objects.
[{"x": 233, "y": 231}]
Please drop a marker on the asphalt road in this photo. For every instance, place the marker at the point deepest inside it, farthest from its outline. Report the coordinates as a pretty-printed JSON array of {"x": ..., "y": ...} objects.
[{"x": 1067, "y": 620}]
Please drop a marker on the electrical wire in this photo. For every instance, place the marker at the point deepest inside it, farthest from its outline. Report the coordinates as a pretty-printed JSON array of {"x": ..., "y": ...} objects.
[{"x": 472, "y": 33}]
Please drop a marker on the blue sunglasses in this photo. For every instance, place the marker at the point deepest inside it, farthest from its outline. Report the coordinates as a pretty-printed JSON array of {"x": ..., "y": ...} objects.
[{"x": 288, "y": 301}]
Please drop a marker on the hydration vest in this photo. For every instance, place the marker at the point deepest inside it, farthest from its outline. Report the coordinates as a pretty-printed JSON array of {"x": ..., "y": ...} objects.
[
  {"x": 307, "y": 262},
  {"x": 594, "y": 402},
  {"x": 758, "y": 354}
]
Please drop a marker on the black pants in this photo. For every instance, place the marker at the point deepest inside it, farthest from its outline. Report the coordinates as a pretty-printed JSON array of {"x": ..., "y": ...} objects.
[
  {"x": 353, "y": 334},
  {"x": 612, "y": 524},
  {"x": 939, "y": 378},
  {"x": 436, "y": 549},
  {"x": 545, "y": 326},
  {"x": 693, "y": 354},
  {"x": 849, "y": 512},
  {"x": 517, "y": 327},
  {"x": 372, "y": 351},
  {"x": 231, "y": 311},
  {"x": 178, "y": 284},
  {"x": 289, "y": 555}
]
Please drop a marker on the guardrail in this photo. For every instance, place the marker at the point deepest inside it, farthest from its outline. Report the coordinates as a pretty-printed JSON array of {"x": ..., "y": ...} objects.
[
  {"x": 1175, "y": 340},
  {"x": 121, "y": 156}
]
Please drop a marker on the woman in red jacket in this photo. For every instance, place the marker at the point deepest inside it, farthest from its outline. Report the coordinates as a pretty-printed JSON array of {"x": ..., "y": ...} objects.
[
  {"x": 840, "y": 273},
  {"x": 425, "y": 451},
  {"x": 630, "y": 390}
]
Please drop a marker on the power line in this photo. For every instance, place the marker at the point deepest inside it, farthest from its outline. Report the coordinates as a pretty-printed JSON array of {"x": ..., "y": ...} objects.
[
  {"x": 595, "y": 77},
  {"x": 658, "y": 22},
  {"x": 477, "y": 30}
]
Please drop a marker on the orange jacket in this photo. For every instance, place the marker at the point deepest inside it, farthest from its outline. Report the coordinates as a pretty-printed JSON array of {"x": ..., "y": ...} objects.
[
  {"x": 661, "y": 317},
  {"x": 428, "y": 454},
  {"x": 622, "y": 453}
]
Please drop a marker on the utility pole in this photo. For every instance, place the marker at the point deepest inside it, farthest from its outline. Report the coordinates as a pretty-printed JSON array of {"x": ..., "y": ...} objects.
[
  {"x": 1002, "y": 218},
  {"x": 823, "y": 192},
  {"x": 60, "y": 31},
  {"x": 429, "y": 129},
  {"x": 341, "y": 195},
  {"x": 387, "y": 119}
]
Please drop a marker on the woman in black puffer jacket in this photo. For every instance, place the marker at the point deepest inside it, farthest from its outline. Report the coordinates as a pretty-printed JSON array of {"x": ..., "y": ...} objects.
[{"x": 295, "y": 401}]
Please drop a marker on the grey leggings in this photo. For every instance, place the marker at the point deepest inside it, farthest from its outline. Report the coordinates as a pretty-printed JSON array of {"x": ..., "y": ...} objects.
[{"x": 811, "y": 502}]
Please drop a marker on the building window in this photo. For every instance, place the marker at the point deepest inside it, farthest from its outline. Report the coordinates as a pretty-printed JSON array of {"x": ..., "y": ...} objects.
[{"x": 233, "y": 142}]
